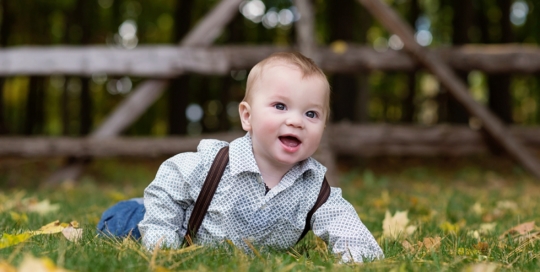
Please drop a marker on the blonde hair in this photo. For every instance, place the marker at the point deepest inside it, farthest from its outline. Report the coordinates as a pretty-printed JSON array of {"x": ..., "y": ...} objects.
[{"x": 306, "y": 65}]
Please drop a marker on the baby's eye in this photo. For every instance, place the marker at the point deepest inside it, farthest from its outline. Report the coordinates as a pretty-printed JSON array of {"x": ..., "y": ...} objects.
[
  {"x": 311, "y": 114},
  {"x": 279, "y": 106}
]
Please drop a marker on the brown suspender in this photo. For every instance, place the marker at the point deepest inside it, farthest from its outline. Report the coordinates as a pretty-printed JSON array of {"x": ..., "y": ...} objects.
[
  {"x": 323, "y": 196},
  {"x": 207, "y": 192},
  {"x": 209, "y": 188}
]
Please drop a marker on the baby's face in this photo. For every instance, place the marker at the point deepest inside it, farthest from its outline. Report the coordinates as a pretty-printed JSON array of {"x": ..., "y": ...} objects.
[{"x": 285, "y": 115}]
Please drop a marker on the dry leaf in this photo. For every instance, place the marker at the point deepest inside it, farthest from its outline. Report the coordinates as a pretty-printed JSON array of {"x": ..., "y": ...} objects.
[
  {"x": 482, "y": 247},
  {"x": 520, "y": 229},
  {"x": 19, "y": 218},
  {"x": 396, "y": 226},
  {"x": 8, "y": 240},
  {"x": 448, "y": 227},
  {"x": 481, "y": 267},
  {"x": 507, "y": 205},
  {"x": 477, "y": 208},
  {"x": 407, "y": 246},
  {"x": 53, "y": 227},
  {"x": 42, "y": 207},
  {"x": 33, "y": 264},
  {"x": 487, "y": 227},
  {"x": 72, "y": 234},
  {"x": 432, "y": 243}
]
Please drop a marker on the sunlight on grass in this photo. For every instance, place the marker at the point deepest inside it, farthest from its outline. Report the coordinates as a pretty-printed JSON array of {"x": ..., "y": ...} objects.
[{"x": 467, "y": 218}]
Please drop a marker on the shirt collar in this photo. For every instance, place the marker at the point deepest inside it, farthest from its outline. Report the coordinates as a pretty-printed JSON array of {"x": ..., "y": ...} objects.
[{"x": 241, "y": 159}]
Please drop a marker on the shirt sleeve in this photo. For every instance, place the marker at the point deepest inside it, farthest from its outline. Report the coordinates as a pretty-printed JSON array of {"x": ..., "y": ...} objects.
[
  {"x": 338, "y": 224},
  {"x": 166, "y": 200}
]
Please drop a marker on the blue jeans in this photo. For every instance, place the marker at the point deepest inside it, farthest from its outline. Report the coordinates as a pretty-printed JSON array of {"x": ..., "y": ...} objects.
[{"x": 121, "y": 219}]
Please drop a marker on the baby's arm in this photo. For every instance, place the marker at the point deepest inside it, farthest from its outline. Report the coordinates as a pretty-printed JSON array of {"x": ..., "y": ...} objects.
[
  {"x": 166, "y": 200},
  {"x": 338, "y": 224}
]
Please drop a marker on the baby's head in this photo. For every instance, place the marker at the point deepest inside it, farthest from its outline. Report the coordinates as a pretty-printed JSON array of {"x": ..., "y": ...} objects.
[
  {"x": 305, "y": 64},
  {"x": 285, "y": 108}
]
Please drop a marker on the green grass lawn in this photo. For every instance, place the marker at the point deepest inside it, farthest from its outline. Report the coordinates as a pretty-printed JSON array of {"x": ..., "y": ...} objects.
[{"x": 460, "y": 210}]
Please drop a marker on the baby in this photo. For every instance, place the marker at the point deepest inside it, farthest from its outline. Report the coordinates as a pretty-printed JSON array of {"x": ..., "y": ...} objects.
[{"x": 271, "y": 182}]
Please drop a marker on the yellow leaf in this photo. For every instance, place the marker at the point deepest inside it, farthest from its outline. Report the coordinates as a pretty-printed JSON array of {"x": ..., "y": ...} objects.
[
  {"x": 33, "y": 264},
  {"x": 72, "y": 234},
  {"x": 43, "y": 207},
  {"x": 53, "y": 227},
  {"x": 448, "y": 227},
  {"x": 74, "y": 224},
  {"x": 396, "y": 226},
  {"x": 20, "y": 218},
  {"x": 8, "y": 240},
  {"x": 467, "y": 252}
]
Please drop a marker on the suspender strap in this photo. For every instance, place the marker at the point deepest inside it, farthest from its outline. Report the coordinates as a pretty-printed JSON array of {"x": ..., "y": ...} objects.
[
  {"x": 207, "y": 193},
  {"x": 209, "y": 189},
  {"x": 321, "y": 199}
]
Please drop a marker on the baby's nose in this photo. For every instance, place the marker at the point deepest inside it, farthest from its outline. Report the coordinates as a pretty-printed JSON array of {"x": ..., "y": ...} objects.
[{"x": 294, "y": 120}]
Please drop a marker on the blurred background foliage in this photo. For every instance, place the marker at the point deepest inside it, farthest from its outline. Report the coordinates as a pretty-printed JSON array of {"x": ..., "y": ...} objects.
[{"x": 194, "y": 104}]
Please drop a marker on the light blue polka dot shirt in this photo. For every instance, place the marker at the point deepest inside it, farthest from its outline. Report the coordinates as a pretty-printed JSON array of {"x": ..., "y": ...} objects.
[{"x": 241, "y": 210}]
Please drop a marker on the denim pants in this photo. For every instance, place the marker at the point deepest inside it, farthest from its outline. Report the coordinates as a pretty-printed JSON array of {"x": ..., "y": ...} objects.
[{"x": 121, "y": 219}]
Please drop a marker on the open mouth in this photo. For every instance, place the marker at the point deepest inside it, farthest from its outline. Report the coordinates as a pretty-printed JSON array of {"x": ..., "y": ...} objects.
[{"x": 290, "y": 141}]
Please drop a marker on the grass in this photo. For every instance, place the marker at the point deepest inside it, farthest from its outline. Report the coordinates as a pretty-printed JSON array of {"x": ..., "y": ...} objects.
[{"x": 450, "y": 199}]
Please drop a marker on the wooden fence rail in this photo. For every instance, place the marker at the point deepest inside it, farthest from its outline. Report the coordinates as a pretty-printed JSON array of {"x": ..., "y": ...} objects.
[
  {"x": 344, "y": 139},
  {"x": 168, "y": 61}
]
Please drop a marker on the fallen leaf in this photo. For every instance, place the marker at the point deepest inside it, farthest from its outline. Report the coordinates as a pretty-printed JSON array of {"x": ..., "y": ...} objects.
[
  {"x": 53, "y": 227},
  {"x": 467, "y": 251},
  {"x": 507, "y": 205},
  {"x": 72, "y": 234},
  {"x": 8, "y": 240},
  {"x": 33, "y": 264},
  {"x": 474, "y": 234},
  {"x": 19, "y": 218},
  {"x": 407, "y": 246},
  {"x": 396, "y": 226},
  {"x": 432, "y": 243},
  {"x": 481, "y": 267},
  {"x": 42, "y": 207},
  {"x": 520, "y": 229},
  {"x": 477, "y": 208},
  {"x": 487, "y": 227},
  {"x": 448, "y": 227},
  {"x": 482, "y": 247}
]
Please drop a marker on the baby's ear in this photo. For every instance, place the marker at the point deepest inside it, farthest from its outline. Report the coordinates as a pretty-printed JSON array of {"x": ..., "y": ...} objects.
[{"x": 245, "y": 115}]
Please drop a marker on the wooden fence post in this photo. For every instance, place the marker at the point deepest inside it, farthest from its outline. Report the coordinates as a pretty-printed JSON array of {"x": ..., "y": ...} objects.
[
  {"x": 204, "y": 33},
  {"x": 391, "y": 20}
]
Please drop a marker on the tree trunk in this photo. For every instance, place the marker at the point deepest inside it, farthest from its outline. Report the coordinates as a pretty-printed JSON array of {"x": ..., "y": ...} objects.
[{"x": 179, "y": 90}]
